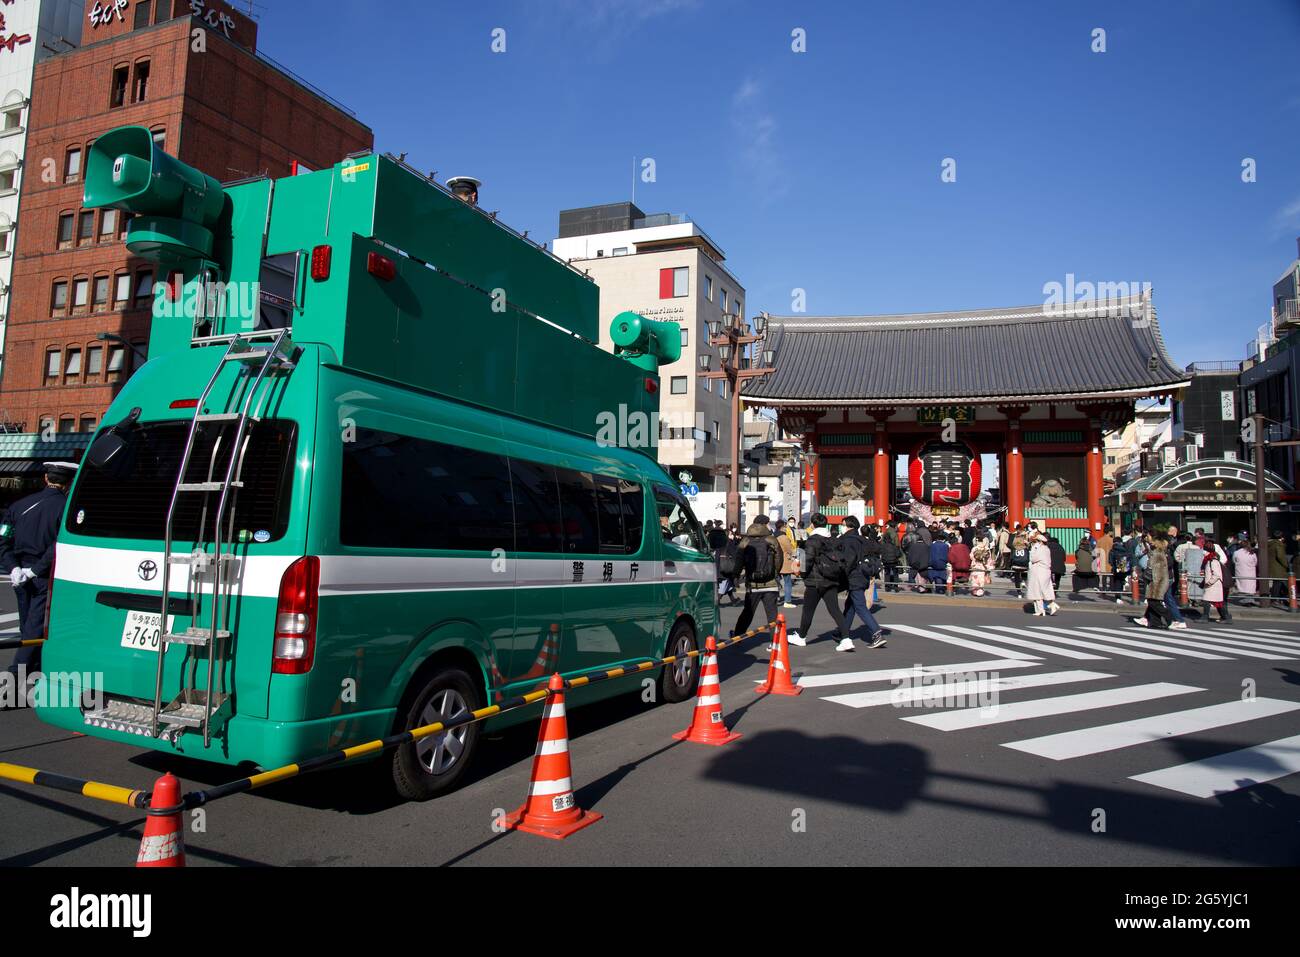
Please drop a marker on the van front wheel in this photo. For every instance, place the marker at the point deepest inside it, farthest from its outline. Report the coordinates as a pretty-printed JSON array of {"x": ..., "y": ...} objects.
[
  {"x": 434, "y": 765},
  {"x": 679, "y": 679}
]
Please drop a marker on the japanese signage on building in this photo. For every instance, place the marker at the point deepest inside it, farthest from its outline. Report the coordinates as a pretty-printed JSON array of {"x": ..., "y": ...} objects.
[
  {"x": 935, "y": 414},
  {"x": 9, "y": 41}
]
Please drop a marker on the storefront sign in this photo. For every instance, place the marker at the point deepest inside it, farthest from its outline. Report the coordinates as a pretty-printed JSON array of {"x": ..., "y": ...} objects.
[
  {"x": 15, "y": 39},
  {"x": 212, "y": 16},
  {"x": 1228, "y": 405},
  {"x": 103, "y": 12}
]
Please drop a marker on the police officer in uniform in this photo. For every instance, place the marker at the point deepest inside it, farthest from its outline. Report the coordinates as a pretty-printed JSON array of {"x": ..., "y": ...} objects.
[{"x": 27, "y": 535}]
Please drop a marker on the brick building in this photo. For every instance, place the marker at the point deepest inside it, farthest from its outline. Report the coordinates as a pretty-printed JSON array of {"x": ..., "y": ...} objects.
[{"x": 190, "y": 72}]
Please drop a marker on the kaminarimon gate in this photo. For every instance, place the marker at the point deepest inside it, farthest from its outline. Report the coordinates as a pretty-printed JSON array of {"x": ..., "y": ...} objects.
[{"x": 1035, "y": 386}]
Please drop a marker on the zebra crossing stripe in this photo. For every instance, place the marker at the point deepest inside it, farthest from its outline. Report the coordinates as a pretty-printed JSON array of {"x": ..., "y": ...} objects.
[
  {"x": 895, "y": 674},
  {"x": 982, "y": 648},
  {"x": 964, "y": 689},
  {"x": 9, "y": 616},
  {"x": 1259, "y": 636},
  {"x": 1024, "y": 643},
  {"x": 975, "y": 717},
  {"x": 1187, "y": 652},
  {"x": 1211, "y": 645},
  {"x": 1250, "y": 641},
  {"x": 1238, "y": 645},
  {"x": 1229, "y": 772},
  {"x": 1126, "y": 734},
  {"x": 1122, "y": 652}
]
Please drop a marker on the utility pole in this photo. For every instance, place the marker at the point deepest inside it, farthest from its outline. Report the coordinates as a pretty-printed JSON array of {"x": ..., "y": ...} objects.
[
  {"x": 1261, "y": 505},
  {"x": 731, "y": 339}
]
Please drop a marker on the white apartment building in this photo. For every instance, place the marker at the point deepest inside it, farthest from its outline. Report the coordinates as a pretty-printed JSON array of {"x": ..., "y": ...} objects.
[
  {"x": 664, "y": 267},
  {"x": 30, "y": 31}
]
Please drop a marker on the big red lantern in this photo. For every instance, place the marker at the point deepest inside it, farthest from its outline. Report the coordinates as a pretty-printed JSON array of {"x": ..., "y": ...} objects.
[{"x": 944, "y": 473}]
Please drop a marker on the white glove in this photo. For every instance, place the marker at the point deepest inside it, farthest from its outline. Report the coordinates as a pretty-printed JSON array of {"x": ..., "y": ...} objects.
[
  {"x": 25, "y": 575},
  {"x": 13, "y": 576}
]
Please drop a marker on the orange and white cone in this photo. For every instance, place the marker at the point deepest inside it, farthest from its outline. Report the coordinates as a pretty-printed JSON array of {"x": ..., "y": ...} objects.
[
  {"x": 548, "y": 659},
  {"x": 163, "y": 844},
  {"x": 707, "y": 726},
  {"x": 778, "y": 666},
  {"x": 550, "y": 809}
]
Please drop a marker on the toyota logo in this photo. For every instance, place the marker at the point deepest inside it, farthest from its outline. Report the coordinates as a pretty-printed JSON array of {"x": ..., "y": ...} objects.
[{"x": 147, "y": 570}]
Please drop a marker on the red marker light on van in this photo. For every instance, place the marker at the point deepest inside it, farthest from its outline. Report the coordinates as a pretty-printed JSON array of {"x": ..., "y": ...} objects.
[
  {"x": 381, "y": 266},
  {"x": 1154, "y": 496},
  {"x": 184, "y": 404},
  {"x": 320, "y": 263},
  {"x": 294, "y": 648},
  {"x": 651, "y": 385}
]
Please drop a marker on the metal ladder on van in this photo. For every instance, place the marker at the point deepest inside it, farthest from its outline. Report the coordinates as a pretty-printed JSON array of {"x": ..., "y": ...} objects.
[{"x": 194, "y": 708}]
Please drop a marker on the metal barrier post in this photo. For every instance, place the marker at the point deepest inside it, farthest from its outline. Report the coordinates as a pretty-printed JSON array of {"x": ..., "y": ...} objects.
[
  {"x": 1182, "y": 589},
  {"x": 1137, "y": 586},
  {"x": 949, "y": 588},
  {"x": 1290, "y": 590}
]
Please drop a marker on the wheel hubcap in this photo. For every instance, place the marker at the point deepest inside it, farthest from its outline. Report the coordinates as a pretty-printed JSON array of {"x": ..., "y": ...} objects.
[
  {"x": 682, "y": 668},
  {"x": 438, "y": 752}
]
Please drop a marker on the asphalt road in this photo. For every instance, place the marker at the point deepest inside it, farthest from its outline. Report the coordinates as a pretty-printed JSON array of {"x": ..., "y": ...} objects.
[{"x": 813, "y": 780}]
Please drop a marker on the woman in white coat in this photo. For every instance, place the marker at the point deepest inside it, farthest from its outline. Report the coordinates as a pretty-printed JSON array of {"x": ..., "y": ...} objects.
[
  {"x": 1245, "y": 568},
  {"x": 1040, "y": 576}
]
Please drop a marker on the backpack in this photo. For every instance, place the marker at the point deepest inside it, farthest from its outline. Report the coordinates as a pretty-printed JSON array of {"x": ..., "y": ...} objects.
[
  {"x": 1020, "y": 557},
  {"x": 871, "y": 566},
  {"x": 729, "y": 559},
  {"x": 760, "y": 559},
  {"x": 829, "y": 563}
]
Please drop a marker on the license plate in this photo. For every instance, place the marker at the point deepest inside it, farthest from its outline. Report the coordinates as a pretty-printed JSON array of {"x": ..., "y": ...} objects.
[{"x": 142, "y": 631}]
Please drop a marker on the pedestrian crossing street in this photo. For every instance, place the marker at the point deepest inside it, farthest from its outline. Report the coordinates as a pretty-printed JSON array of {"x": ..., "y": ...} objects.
[{"x": 971, "y": 692}]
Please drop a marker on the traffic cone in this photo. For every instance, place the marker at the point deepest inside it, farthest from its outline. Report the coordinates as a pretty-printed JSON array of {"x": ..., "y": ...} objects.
[
  {"x": 778, "y": 667},
  {"x": 550, "y": 808},
  {"x": 548, "y": 659},
  {"x": 163, "y": 844},
  {"x": 707, "y": 726}
]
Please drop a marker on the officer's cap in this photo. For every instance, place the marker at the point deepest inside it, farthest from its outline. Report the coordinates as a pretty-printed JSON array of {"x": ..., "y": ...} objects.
[{"x": 61, "y": 472}]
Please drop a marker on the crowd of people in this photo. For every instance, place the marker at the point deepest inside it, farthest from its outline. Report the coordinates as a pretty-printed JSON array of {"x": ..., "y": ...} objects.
[{"x": 842, "y": 565}]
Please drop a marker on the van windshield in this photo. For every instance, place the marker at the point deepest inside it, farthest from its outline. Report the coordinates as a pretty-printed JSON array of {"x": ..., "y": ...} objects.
[{"x": 130, "y": 498}]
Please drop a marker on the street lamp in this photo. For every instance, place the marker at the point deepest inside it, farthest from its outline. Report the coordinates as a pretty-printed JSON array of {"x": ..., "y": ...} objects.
[
  {"x": 731, "y": 338},
  {"x": 114, "y": 337}
]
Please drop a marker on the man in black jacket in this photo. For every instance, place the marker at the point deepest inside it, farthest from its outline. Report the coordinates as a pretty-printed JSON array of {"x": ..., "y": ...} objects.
[
  {"x": 820, "y": 586},
  {"x": 862, "y": 556},
  {"x": 891, "y": 556},
  {"x": 918, "y": 562}
]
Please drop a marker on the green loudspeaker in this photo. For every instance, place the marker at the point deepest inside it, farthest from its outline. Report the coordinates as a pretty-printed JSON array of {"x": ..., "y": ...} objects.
[
  {"x": 646, "y": 343},
  {"x": 176, "y": 206}
]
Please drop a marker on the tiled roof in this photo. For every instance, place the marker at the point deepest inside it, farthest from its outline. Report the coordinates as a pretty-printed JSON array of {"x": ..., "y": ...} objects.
[{"x": 986, "y": 355}]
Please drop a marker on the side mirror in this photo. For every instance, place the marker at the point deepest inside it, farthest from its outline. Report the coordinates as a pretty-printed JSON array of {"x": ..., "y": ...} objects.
[{"x": 110, "y": 452}]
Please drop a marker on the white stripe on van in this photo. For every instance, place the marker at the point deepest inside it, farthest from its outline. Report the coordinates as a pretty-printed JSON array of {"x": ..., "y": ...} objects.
[{"x": 259, "y": 575}]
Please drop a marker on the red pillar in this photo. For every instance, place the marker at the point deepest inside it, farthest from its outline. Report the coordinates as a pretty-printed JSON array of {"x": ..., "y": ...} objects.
[
  {"x": 1096, "y": 516},
  {"x": 882, "y": 484},
  {"x": 1014, "y": 484}
]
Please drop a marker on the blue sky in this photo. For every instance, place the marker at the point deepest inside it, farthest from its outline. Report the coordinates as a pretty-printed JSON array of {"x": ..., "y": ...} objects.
[{"x": 821, "y": 170}]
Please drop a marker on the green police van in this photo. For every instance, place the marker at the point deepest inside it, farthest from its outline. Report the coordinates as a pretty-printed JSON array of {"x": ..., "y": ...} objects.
[{"x": 378, "y": 497}]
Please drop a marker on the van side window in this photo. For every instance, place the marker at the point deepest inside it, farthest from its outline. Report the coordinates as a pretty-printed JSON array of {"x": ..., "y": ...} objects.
[
  {"x": 403, "y": 492},
  {"x": 676, "y": 521},
  {"x": 578, "y": 511},
  {"x": 536, "y": 495}
]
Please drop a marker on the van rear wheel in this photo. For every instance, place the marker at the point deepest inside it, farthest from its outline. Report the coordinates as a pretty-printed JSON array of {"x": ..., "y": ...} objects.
[
  {"x": 678, "y": 680},
  {"x": 435, "y": 765}
]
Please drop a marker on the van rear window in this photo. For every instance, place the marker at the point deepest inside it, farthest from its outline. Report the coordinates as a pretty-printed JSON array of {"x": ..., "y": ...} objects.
[{"x": 131, "y": 501}]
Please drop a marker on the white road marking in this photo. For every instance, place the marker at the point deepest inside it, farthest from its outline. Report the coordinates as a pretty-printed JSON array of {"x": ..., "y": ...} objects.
[
  {"x": 975, "y": 717},
  {"x": 993, "y": 650},
  {"x": 1146, "y": 644},
  {"x": 1122, "y": 652},
  {"x": 1229, "y": 772},
  {"x": 1257, "y": 636},
  {"x": 952, "y": 689},
  {"x": 1125, "y": 734},
  {"x": 1209, "y": 644},
  {"x": 892, "y": 674},
  {"x": 11, "y": 616},
  {"x": 1246, "y": 641},
  {"x": 1024, "y": 643}
]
